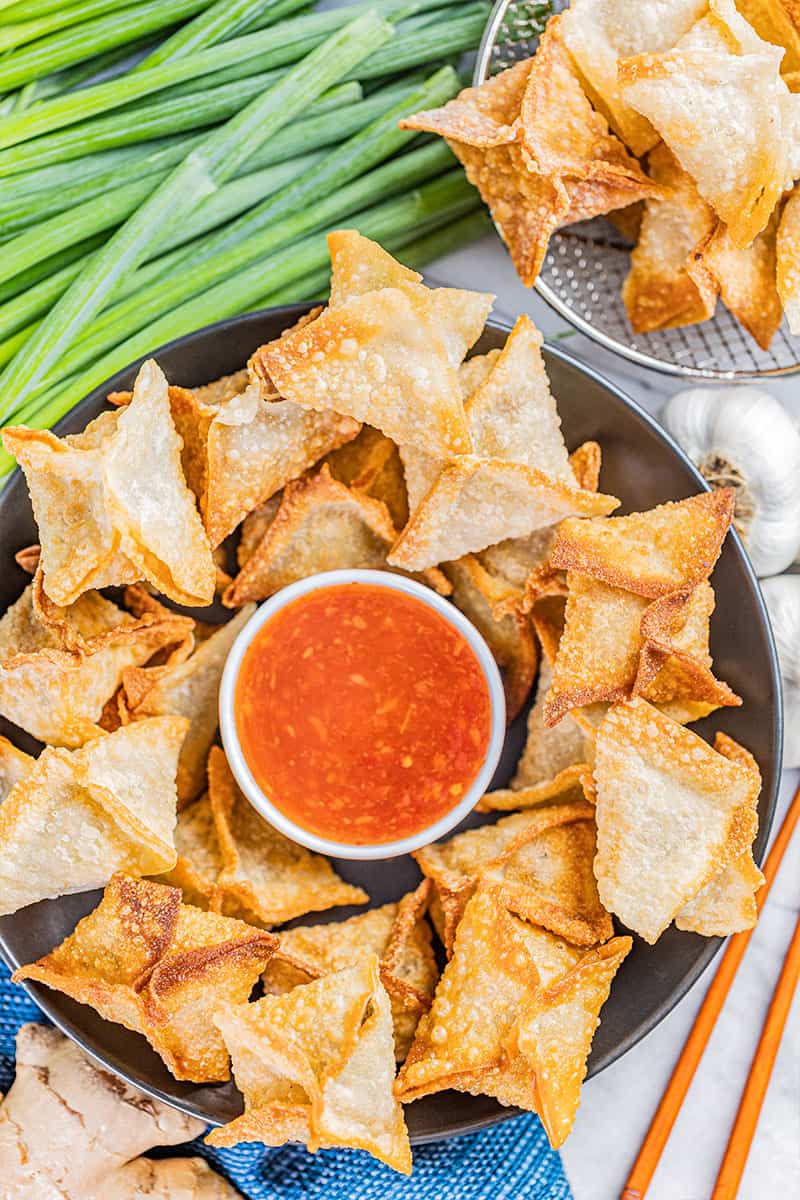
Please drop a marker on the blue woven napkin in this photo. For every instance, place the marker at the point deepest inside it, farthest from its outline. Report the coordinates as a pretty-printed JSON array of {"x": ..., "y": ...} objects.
[{"x": 510, "y": 1162}]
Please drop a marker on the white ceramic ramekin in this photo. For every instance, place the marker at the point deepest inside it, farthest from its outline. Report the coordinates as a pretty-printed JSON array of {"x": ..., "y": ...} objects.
[{"x": 244, "y": 775}]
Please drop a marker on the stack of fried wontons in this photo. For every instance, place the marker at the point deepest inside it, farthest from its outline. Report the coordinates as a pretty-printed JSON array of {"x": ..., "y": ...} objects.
[
  {"x": 363, "y": 437},
  {"x": 678, "y": 120}
]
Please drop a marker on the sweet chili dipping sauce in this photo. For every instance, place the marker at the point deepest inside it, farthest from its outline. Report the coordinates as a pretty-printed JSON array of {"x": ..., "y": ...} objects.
[{"x": 363, "y": 714}]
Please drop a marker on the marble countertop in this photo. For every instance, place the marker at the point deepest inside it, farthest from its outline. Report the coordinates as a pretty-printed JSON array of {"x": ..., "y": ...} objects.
[{"x": 618, "y": 1104}]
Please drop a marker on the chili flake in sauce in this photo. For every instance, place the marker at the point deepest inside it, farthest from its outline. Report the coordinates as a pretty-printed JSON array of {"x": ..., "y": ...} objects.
[{"x": 363, "y": 714}]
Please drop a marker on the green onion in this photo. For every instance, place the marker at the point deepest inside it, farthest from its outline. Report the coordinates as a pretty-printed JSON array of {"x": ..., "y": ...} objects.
[
  {"x": 270, "y": 48},
  {"x": 440, "y": 40},
  {"x": 208, "y": 165},
  {"x": 47, "y": 267},
  {"x": 19, "y": 32},
  {"x": 218, "y": 23},
  {"x": 70, "y": 45}
]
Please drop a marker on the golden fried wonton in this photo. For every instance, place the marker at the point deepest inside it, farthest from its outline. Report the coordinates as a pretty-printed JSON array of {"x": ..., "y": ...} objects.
[
  {"x": 388, "y": 357},
  {"x": 372, "y": 464},
  {"x": 717, "y": 99},
  {"x": 161, "y": 968},
  {"x": 56, "y": 694},
  {"x": 727, "y": 904},
  {"x": 14, "y": 766},
  {"x": 77, "y": 816},
  {"x": 777, "y": 21},
  {"x": 188, "y": 689},
  {"x": 321, "y": 525},
  {"x": 661, "y": 290},
  {"x": 397, "y": 933},
  {"x": 517, "y": 480},
  {"x": 509, "y": 637},
  {"x": 265, "y": 877},
  {"x": 598, "y": 33},
  {"x": 671, "y": 815},
  {"x": 746, "y": 277},
  {"x": 571, "y": 785},
  {"x": 317, "y": 1065},
  {"x": 495, "y": 1029},
  {"x": 652, "y": 553},
  {"x": 541, "y": 862},
  {"x": 550, "y": 751},
  {"x": 121, "y": 484},
  {"x": 199, "y": 860},
  {"x": 788, "y": 260}
]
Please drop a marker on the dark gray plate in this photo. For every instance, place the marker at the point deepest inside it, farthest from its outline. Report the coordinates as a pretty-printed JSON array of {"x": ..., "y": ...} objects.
[{"x": 643, "y": 467}]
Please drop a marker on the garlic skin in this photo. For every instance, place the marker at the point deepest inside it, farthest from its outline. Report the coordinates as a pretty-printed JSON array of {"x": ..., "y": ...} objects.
[
  {"x": 745, "y": 438},
  {"x": 782, "y": 598}
]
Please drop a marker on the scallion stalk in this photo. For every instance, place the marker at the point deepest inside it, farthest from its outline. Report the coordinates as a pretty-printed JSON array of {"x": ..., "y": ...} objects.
[{"x": 218, "y": 23}]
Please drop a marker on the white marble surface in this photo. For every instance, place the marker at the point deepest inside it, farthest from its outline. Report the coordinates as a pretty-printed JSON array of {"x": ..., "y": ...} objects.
[{"x": 617, "y": 1106}]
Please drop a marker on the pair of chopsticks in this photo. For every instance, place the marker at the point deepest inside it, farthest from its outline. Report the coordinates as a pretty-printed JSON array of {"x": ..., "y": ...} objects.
[{"x": 744, "y": 1127}]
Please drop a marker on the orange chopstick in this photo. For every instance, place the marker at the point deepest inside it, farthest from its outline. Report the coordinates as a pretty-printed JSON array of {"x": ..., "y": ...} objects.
[
  {"x": 667, "y": 1111},
  {"x": 744, "y": 1127}
]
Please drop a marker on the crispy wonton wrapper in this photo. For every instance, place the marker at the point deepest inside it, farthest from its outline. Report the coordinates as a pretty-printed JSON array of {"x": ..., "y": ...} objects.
[
  {"x": 746, "y": 277},
  {"x": 597, "y": 35},
  {"x": 199, "y": 859},
  {"x": 80, "y": 815},
  {"x": 662, "y": 290},
  {"x": 57, "y": 694},
  {"x": 14, "y": 766},
  {"x": 265, "y": 877},
  {"x": 188, "y": 689},
  {"x": 120, "y": 483},
  {"x": 671, "y": 815},
  {"x": 161, "y": 968},
  {"x": 317, "y": 1065},
  {"x": 652, "y": 553},
  {"x": 518, "y": 479},
  {"x": 788, "y": 260},
  {"x": 549, "y": 752},
  {"x": 397, "y": 933},
  {"x": 495, "y": 1028},
  {"x": 571, "y": 785},
  {"x": 388, "y": 357},
  {"x": 541, "y": 862},
  {"x": 776, "y": 21},
  {"x": 509, "y": 637},
  {"x": 718, "y": 101},
  {"x": 727, "y": 904},
  {"x": 372, "y": 464}
]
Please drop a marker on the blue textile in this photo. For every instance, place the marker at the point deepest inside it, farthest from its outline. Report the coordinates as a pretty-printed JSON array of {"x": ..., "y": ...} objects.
[{"x": 509, "y": 1162}]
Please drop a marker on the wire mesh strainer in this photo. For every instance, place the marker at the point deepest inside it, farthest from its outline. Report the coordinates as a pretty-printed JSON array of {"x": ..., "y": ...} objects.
[{"x": 586, "y": 264}]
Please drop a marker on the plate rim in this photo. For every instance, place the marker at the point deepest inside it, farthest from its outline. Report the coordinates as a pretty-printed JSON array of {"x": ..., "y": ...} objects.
[{"x": 39, "y": 994}]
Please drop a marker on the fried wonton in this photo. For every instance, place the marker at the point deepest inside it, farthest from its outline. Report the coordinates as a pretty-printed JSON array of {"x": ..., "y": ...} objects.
[
  {"x": 517, "y": 480},
  {"x": 56, "y": 694},
  {"x": 788, "y": 260},
  {"x": 77, "y": 816},
  {"x": 541, "y": 862},
  {"x": 727, "y": 904},
  {"x": 388, "y": 357},
  {"x": 495, "y": 1029},
  {"x": 121, "y": 485},
  {"x": 509, "y": 637},
  {"x": 717, "y": 99},
  {"x": 675, "y": 663},
  {"x": 317, "y": 1066},
  {"x": 189, "y": 689},
  {"x": 661, "y": 291},
  {"x": 397, "y": 933},
  {"x": 671, "y": 815},
  {"x": 321, "y": 525},
  {"x": 372, "y": 464},
  {"x": 359, "y": 265},
  {"x": 746, "y": 277},
  {"x": 14, "y": 766},
  {"x": 265, "y": 877},
  {"x": 598, "y": 653},
  {"x": 549, "y": 752},
  {"x": 598, "y": 33},
  {"x": 652, "y": 553},
  {"x": 199, "y": 860},
  {"x": 572, "y": 784},
  {"x": 776, "y": 21},
  {"x": 160, "y": 968}
]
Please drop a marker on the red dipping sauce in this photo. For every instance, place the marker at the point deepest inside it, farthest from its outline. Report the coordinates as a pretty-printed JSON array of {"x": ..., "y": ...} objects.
[{"x": 364, "y": 715}]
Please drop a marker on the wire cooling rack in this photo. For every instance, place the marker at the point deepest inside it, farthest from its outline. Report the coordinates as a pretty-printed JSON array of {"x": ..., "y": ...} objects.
[{"x": 586, "y": 264}]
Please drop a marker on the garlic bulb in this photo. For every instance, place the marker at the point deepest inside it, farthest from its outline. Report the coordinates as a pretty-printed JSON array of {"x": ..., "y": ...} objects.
[
  {"x": 782, "y": 598},
  {"x": 744, "y": 438}
]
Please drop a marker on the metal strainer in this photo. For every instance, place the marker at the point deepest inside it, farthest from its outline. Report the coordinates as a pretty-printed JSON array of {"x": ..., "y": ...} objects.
[{"x": 586, "y": 264}]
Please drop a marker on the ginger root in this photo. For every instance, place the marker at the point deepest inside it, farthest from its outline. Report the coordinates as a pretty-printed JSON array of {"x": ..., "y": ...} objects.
[{"x": 69, "y": 1130}]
